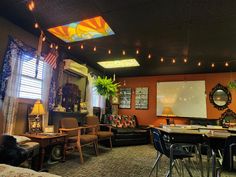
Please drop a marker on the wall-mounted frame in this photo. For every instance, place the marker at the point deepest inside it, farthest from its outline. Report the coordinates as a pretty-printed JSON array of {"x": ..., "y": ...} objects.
[
  {"x": 141, "y": 98},
  {"x": 220, "y": 97},
  {"x": 125, "y": 98}
]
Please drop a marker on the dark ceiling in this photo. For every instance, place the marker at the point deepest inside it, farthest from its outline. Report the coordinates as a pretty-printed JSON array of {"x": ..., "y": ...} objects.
[{"x": 201, "y": 30}]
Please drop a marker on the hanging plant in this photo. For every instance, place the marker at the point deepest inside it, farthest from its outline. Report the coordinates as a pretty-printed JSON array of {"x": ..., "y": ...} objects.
[
  {"x": 232, "y": 85},
  {"x": 106, "y": 87}
]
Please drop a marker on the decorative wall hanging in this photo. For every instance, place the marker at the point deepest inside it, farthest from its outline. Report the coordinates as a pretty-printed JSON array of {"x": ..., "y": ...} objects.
[
  {"x": 220, "y": 97},
  {"x": 78, "y": 31},
  {"x": 125, "y": 98},
  {"x": 227, "y": 117},
  {"x": 141, "y": 98}
]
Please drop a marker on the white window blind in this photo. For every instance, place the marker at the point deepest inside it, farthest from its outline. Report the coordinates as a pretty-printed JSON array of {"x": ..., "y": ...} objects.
[{"x": 31, "y": 85}]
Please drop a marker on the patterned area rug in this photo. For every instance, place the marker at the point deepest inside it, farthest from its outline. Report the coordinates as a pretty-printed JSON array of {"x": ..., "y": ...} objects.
[{"x": 132, "y": 161}]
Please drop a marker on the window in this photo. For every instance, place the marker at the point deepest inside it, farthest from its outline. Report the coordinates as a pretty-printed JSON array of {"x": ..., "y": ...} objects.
[
  {"x": 31, "y": 78},
  {"x": 96, "y": 98}
]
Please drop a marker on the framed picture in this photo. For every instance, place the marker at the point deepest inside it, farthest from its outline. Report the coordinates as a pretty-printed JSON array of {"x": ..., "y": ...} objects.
[
  {"x": 125, "y": 98},
  {"x": 141, "y": 98}
]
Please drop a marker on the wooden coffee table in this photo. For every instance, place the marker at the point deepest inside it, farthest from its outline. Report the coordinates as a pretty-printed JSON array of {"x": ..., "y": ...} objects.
[{"x": 46, "y": 140}]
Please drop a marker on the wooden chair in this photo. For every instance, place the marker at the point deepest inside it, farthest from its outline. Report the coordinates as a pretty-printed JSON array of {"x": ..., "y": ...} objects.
[
  {"x": 77, "y": 137},
  {"x": 102, "y": 135}
]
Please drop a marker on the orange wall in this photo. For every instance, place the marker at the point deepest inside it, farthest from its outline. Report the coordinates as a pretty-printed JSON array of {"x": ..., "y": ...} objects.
[{"x": 148, "y": 117}]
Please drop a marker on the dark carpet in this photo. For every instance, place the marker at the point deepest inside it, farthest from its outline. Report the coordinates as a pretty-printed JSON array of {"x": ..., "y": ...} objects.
[{"x": 132, "y": 161}]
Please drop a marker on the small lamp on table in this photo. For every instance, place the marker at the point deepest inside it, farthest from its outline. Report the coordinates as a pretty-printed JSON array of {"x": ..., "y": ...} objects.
[
  {"x": 167, "y": 111},
  {"x": 37, "y": 111}
]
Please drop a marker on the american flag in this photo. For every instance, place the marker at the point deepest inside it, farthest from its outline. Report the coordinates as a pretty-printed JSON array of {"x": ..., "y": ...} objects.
[{"x": 51, "y": 58}]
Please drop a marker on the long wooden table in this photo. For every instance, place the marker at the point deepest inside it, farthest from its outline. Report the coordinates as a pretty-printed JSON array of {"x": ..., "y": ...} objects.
[{"x": 194, "y": 135}]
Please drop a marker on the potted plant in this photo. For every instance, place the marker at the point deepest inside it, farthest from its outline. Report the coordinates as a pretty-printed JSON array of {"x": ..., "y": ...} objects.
[
  {"x": 107, "y": 88},
  {"x": 232, "y": 85}
]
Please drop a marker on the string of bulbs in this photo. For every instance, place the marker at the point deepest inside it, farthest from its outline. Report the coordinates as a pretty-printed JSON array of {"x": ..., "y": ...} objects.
[{"x": 31, "y": 6}]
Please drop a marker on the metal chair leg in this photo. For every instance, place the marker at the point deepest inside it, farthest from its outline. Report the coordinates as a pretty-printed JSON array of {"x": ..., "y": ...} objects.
[
  {"x": 156, "y": 163},
  {"x": 169, "y": 172},
  {"x": 187, "y": 168}
]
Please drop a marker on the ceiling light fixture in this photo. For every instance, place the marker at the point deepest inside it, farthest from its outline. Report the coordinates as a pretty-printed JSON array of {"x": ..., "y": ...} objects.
[
  {"x": 44, "y": 38},
  {"x": 51, "y": 46},
  {"x": 213, "y": 65},
  {"x": 137, "y": 51},
  {"x": 199, "y": 63},
  {"x": 123, "y": 52},
  {"x": 56, "y": 47},
  {"x": 95, "y": 49},
  {"x": 162, "y": 59},
  {"x": 109, "y": 51},
  {"x": 69, "y": 47},
  {"x": 149, "y": 56},
  {"x": 185, "y": 60},
  {"x": 124, "y": 63},
  {"x": 31, "y": 5}
]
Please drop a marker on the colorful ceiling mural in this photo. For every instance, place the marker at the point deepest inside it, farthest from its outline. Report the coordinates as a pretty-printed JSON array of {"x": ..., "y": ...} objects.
[{"x": 78, "y": 31}]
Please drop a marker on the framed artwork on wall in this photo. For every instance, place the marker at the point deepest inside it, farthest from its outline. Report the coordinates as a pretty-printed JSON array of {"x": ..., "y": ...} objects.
[
  {"x": 141, "y": 98},
  {"x": 125, "y": 98}
]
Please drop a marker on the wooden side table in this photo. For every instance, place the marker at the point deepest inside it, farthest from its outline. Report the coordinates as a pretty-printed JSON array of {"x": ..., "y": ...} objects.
[{"x": 46, "y": 140}]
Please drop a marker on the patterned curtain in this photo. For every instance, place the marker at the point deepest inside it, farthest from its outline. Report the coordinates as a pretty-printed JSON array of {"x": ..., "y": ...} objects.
[{"x": 12, "y": 63}]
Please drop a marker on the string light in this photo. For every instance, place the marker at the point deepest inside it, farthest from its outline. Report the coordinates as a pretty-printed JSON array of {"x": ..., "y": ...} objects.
[
  {"x": 162, "y": 59},
  {"x": 95, "y": 49},
  {"x": 123, "y": 52},
  {"x": 36, "y": 25},
  {"x": 82, "y": 46},
  {"x": 31, "y": 5},
  {"x": 109, "y": 51},
  {"x": 51, "y": 46},
  {"x": 69, "y": 47},
  {"x": 213, "y": 65},
  {"x": 173, "y": 61},
  {"x": 226, "y": 64},
  {"x": 199, "y": 63},
  {"x": 44, "y": 38},
  {"x": 149, "y": 56},
  {"x": 137, "y": 51},
  {"x": 185, "y": 60},
  {"x": 56, "y": 47}
]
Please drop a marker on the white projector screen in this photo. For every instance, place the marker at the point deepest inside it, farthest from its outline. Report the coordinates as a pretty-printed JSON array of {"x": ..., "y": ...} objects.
[{"x": 184, "y": 98}]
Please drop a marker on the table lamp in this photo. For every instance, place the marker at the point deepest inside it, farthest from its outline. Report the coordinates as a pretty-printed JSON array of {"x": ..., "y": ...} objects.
[
  {"x": 167, "y": 111},
  {"x": 38, "y": 110}
]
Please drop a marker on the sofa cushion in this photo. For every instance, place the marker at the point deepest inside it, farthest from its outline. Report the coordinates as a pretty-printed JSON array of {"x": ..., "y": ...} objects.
[{"x": 123, "y": 121}]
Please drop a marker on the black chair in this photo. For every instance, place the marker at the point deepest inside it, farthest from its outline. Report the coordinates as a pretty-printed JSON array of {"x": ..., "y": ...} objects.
[
  {"x": 179, "y": 153},
  {"x": 229, "y": 152}
]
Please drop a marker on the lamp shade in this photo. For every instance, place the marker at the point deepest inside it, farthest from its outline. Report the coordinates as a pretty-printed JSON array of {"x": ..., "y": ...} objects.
[
  {"x": 167, "y": 111},
  {"x": 38, "y": 108}
]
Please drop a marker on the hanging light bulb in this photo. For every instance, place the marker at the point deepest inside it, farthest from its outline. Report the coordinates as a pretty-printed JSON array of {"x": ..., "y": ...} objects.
[
  {"x": 149, "y": 56},
  {"x": 56, "y": 47},
  {"x": 162, "y": 59},
  {"x": 137, "y": 51},
  {"x": 44, "y": 38},
  {"x": 123, "y": 52},
  {"x": 82, "y": 46},
  {"x": 109, "y": 51},
  {"x": 124, "y": 83},
  {"x": 69, "y": 47},
  {"x": 173, "y": 61},
  {"x": 213, "y": 65},
  {"x": 185, "y": 60},
  {"x": 51, "y": 46},
  {"x": 36, "y": 25},
  {"x": 226, "y": 64},
  {"x": 31, "y": 5},
  {"x": 199, "y": 63},
  {"x": 95, "y": 49}
]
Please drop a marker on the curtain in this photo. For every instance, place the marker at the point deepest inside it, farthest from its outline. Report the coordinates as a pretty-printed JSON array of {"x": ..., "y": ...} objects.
[
  {"x": 10, "y": 80},
  {"x": 47, "y": 79},
  {"x": 100, "y": 101}
]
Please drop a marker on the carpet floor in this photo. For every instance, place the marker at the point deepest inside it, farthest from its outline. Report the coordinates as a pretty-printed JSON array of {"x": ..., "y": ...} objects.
[{"x": 132, "y": 161}]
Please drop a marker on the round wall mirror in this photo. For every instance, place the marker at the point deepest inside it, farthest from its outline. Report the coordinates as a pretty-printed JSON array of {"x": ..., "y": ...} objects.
[{"x": 220, "y": 97}]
